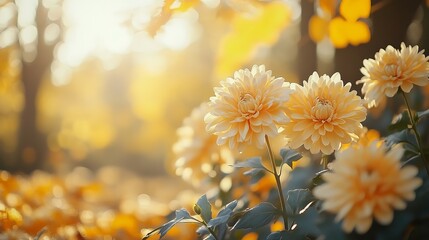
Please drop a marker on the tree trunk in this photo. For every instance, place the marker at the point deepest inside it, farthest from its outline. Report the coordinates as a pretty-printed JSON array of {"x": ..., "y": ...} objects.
[
  {"x": 307, "y": 58},
  {"x": 32, "y": 146}
]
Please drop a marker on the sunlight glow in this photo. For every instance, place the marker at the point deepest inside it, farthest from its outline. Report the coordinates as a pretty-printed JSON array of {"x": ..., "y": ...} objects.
[
  {"x": 93, "y": 29},
  {"x": 180, "y": 31},
  {"x": 109, "y": 29}
]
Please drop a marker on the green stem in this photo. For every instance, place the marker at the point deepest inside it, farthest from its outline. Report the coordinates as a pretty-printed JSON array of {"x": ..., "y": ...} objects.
[
  {"x": 325, "y": 161},
  {"x": 210, "y": 230},
  {"x": 416, "y": 133},
  {"x": 279, "y": 185}
]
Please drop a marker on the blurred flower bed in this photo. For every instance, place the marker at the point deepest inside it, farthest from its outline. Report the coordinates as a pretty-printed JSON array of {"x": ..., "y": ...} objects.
[{"x": 107, "y": 204}]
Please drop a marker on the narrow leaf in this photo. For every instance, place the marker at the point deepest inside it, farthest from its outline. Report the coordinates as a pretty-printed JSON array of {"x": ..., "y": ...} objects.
[
  {"x": 289, "y": 156},
  {"x": 298, "y": 199},
  {"x": 283, "y": 235},
  {"x": 202, "y": 231},
  {"x": 404, "y": 136},
  {"x": 423, "y": 114},
  {"x": 223, "y": 215},
  {"x": 257, "y": 216},
  {"x": 210, "y": 237},
  {"x": 400, "y": 122},
  {"x": 206, "y": 208},
  {"x": 166, "y": 227},
  {"x": 254, "y": 163},
  {"x": 181, "y": 214},
  {"x": 253, "y": 172}
]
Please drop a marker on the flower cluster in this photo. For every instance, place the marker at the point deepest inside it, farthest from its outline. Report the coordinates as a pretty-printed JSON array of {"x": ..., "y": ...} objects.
[
  {"x": 79, "y": 205},
  {"x": 371, "y": 178}
]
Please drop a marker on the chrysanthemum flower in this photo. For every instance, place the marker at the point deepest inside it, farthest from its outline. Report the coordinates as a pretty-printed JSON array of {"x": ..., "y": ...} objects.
[
  {"x": 323, "y": 114},
  {"x": 392, "y": 69},
  {"x": 197, "y": 150},
  {"x": 367, "y": 183},
  {"x": 247, "y": 107}
]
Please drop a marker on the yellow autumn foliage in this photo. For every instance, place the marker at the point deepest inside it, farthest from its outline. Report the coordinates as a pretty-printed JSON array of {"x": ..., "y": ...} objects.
[
  {"x": 318, "y": 28},
  {"x": 249, "y": 31},
  {"x": 352, "y": 10},
  {"x": 344, "y": 29}
]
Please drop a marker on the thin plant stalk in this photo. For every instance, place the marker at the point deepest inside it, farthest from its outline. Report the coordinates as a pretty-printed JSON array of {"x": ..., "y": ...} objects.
[
  {"x": 325, "y": 161},
  {"x": 211, "y": 231},
  {"x": 279, "y": 185},
  {"x": 208, "y": 228},
  {"x": 416, "y": 133}
]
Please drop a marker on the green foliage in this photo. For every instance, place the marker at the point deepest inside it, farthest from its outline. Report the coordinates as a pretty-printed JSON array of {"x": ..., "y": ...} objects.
[
  {"x": 224, "y": 215},
  {"x": 206, "y": 208},
  {"x": 289, "y": 156},
  {"x": 180, "y": 216},
  {"x": 258, "y": 216},
  {"x": 254, "y": 163},
  {"x": 423, "y": 114},
  {"x": 401, "y": 122}
]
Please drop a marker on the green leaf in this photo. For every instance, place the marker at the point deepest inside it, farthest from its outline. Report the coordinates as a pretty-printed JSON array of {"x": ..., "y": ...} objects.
[
  {"x": 206, "y": 208},
  {"x": 300, "y": 177},
  {"x": 423, "y": 114},
  {"x": 223, "y": 215},
  {"x": 283, "y": 235},
  {"x": 289, "y": 156},
  {"x": 404, "y": 136},
  {"x": 253, "y": 172},
  {"x": 202, "y": 231},
  {"x": 251, "y": 163},
  {"x": 166, "y": 227},
  {"x": 318, "y": 180},
  {"x": 330, "y": 229},
  {"x": 209, "y": 237},
  {"x": 257, "y": 216},
  {"x": 298, "y": 199},
  {"x": 181, "y": 214},
  {"x": 400, "y": 122},
  {"x": 305, "y": 228},
  {"x": 307, "y": 222}
]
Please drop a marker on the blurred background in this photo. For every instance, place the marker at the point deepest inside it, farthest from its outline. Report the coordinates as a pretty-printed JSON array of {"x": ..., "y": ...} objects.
[{"x": 107, "y": 82}]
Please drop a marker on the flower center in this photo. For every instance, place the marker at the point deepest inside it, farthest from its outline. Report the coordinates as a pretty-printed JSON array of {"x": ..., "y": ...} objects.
[
  {"x": 391, "y": 70},
  {"x": 322, "y": 110},
  {"x": 248, "y": 106}
]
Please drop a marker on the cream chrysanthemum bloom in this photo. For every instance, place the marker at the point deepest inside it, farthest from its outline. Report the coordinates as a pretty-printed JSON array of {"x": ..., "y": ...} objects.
[
  {"x": 392, "y": 69},
  {"x": 197, "y": 150},
  {"x": 366, "y": 183},
  {"x": 323, "y": 114},
  {"x": 247, "y": 107}
]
